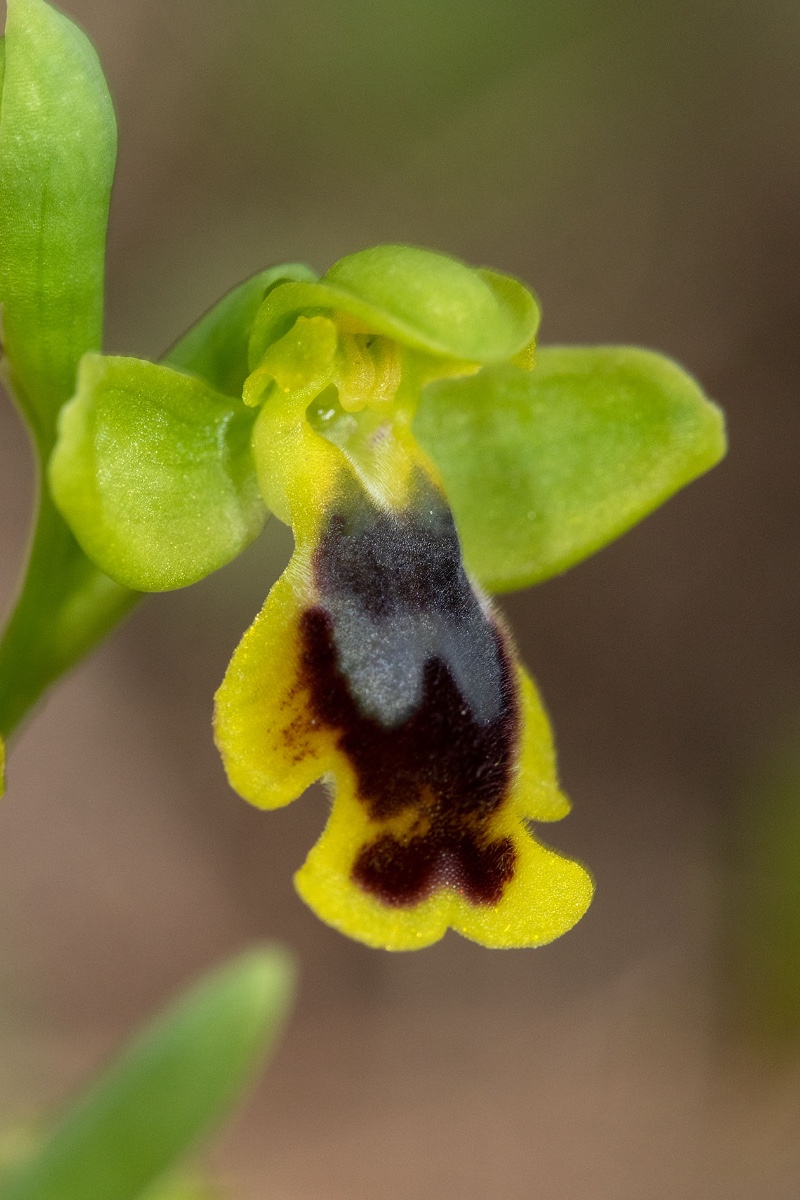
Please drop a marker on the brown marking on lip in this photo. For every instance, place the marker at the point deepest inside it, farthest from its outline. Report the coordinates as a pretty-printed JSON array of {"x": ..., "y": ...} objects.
[
  {"x": 444, "y": 758},
  {"x": 406, "y": 872}
]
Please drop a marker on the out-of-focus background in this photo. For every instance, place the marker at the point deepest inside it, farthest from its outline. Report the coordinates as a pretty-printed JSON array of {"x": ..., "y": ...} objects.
[{"x": 638, "y": 163}]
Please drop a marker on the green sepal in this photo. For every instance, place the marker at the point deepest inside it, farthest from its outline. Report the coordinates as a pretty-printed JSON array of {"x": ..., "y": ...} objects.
[
  {"x": 166, "y": 1091},
  {"x": 429, "y": 302},
  {"x": 154, "y": 474},
  {"x": 543, "y": 468},
  {"x": 216, "y": 347},
  {"x": 57, "y": 154}
]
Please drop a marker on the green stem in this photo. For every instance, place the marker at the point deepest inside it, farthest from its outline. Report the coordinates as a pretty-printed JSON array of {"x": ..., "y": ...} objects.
[{"x": 65, "y": 607}]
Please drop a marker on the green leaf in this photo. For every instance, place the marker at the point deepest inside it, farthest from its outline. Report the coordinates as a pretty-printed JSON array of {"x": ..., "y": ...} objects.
[
  {"x": 57, "y": 152},
  {"x": 216, "y": 347},
  {"x": 429, "y": 302},
  {"x": 543, "y": 468},
  {"x": 166, "y": 1091},
  {"x": 153, "y": 471}
]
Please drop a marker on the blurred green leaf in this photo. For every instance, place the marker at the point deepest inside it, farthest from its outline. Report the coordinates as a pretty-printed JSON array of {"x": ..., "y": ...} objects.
[
  {"x": 216, "y": 347},
  {"x": 21, "y": 1142},
  {"x": 543, "y": 468},
  {"x": 18, "y": 1143},
  {"x": 185, "y": 1186},
  {"x": 428, "y": 301},
  {"x": 761, "y": 910},
  {"x": 154, "y": 473},
  {"x": 166, "y": 1091}
]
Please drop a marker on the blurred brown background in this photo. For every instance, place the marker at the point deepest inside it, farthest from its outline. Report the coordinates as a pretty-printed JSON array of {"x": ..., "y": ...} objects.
[{"x": 638, "y": 163}]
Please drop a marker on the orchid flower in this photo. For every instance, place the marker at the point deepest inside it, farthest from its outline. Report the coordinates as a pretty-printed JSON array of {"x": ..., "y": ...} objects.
[
  {"x": 378, "y": 662},
  {"x": 397, "y": 415}
]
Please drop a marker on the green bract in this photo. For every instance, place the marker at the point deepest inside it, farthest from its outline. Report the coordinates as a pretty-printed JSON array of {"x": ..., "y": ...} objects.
[
  {"x": 153, "y": 471},
  {"x": 57, "y": 154},
  {"x": 543, "y": 468}
]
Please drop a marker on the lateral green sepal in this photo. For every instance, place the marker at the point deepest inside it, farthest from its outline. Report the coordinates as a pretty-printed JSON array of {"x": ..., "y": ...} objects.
[
  {"x": 153, "y": 472},
  {"x": 543, "y": 468}
]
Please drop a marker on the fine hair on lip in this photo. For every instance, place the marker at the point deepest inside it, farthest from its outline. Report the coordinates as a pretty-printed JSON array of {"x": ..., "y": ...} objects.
[{"x": 444, "y": 759}]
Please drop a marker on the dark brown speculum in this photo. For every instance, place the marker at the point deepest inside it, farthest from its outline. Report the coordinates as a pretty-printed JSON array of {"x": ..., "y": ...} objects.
[{"x": 406, "y": 664}]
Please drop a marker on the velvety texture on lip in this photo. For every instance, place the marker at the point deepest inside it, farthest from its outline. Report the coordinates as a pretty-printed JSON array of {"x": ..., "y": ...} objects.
[
  {"x": 402, "y": 661},
  {"x": 377, "y": 665}
]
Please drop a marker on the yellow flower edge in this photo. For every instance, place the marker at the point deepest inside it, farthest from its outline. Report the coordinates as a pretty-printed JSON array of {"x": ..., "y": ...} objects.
[{"x": 546, "y": 897}]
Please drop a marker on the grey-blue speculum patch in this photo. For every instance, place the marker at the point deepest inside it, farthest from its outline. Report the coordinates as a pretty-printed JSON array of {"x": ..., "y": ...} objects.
[{"x": 411, "y": 669}]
